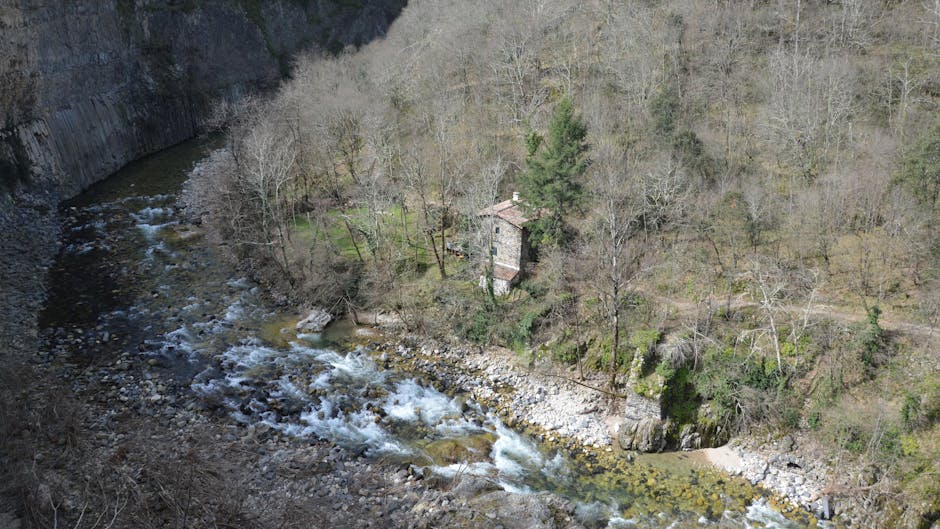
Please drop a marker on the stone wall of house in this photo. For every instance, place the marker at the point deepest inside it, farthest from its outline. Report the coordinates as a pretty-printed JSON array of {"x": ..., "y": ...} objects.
[{"x": 509, "y": 244}]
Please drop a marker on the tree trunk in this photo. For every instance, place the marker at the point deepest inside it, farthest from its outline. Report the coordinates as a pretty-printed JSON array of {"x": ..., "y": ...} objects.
[
  {"x": 352, "y": 237},
  {"x": 438, "y": 256},
  {"x": 441, "y": 264},
  {"x": 615, "y": 346}
]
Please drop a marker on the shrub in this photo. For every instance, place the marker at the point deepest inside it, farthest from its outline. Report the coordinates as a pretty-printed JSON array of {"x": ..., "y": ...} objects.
[
  {"x": 871, "y": 338},
  {"x": 644, "y": 340},
  {"x": 481, "y": 324},
  {"x": 743, "y": 392},
  {"x": 664, "y": 109},
  {"x": 665, "y": 370},
  {"x": 813, "y": 420},
  {"x": 909, "y": 446},
  {"x": 910, "y": 412},
  {"x": 680, "y": 399},
  {"x": 850, "y": 438},
  {"x": 601, "y": 362},
  {"x": 565, "y": 352}
]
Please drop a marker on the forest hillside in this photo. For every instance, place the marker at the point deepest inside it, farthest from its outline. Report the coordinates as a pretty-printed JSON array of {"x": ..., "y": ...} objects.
[{"x": 741, "y": 203}]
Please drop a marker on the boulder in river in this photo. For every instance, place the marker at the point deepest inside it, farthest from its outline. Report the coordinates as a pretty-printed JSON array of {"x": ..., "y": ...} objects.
[{"x": 316, "y": 320}]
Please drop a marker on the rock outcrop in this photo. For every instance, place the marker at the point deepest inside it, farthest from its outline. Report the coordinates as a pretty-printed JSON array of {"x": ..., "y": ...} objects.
[
  {"x": 645, "y": 435},
  {"x": 643, "y": 428},
  {"x": 90, "y": 85}
]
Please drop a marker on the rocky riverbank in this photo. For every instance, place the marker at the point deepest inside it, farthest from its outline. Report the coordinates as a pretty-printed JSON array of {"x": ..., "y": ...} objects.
[
  {"x": 575, "y": 414},
  {"x": 549, "y": 400},
  {"x": 774, "y": 467},
  {"x": 29, "y": 231},
  {"x": 562, "y": 411},
  {"x": 149, "y": 442}
]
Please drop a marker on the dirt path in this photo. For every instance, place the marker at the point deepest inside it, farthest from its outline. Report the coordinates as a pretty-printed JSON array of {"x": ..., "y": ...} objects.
[{"x": 816, "y": 311}]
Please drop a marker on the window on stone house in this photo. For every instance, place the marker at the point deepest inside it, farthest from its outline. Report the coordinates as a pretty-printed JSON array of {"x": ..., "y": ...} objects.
[
  {"x": 493, "y": 250},
  {"x": 497, "y": 229}
]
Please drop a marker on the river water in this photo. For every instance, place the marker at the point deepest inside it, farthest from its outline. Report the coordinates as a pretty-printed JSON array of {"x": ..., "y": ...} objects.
[{"x": 134, "y": 277}]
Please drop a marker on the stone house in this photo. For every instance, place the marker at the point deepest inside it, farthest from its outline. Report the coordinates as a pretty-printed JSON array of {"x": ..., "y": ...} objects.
[{"x": 510, "y": 244}]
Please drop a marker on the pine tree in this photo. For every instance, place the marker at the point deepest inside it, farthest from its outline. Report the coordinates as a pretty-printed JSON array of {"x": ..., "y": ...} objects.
[{"x": 554, "y": 168}]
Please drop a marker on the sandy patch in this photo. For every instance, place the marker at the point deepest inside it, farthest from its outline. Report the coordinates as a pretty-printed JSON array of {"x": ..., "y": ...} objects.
[{"x": 722, "y": 457}]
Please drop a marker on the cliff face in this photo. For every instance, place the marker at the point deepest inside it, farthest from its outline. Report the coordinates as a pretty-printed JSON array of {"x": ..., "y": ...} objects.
[{"x": 89, "y": 85}]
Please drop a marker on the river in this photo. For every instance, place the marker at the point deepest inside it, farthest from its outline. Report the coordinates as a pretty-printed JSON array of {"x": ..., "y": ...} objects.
[{"x": 133, "y": 277}]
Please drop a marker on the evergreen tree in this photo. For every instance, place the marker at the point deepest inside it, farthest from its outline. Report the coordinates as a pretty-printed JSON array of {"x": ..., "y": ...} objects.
[{"x": 554, "y": 167}]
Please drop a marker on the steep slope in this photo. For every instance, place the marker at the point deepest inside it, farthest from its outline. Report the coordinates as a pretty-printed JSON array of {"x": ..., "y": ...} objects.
[{"x": 91, "y": 85}]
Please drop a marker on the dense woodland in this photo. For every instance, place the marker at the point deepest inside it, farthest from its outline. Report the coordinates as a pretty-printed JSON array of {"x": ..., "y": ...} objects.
[{"x": 746, "y": 229}]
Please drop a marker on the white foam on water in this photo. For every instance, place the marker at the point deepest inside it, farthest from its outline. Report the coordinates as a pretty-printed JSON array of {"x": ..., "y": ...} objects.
[
  {"x": 480, "y": 469},
  {"x": 515, "y": 488},
  {"x": 768, "y": 518},
  {"x": 234, "y": 311},
  {"x": 457, "y": 427},
  {"x": 556, "y": 466},
  {"x": 617, "y": 522},
  {"x": 156, "y": 249},
  {"x": 213, "y": 326},
  {"x": 322, "y": 381},
  {"x": 240, "y": 283},
  {"x": 146, "y": 199},
  {"x": 179, "y": 340},
  {"x": 286, "y": 388},
  {"x": 245, "y": 356},
  {"x": 96, "y": 225},
  {"x": 150, "y": 230},
  {"x": 208, "y": 387},
  {"x": 411, "y": 401},
  {"x": 150, "y": 214},
  {"x": 80, "y": 249},
  {"x": 353, "y": 369},
  {"x": 356, "y": 429},
  {"x": 312, "y": 337},
  {"x": 597, "y": 512},
  {"x": 513, "y": 454}
]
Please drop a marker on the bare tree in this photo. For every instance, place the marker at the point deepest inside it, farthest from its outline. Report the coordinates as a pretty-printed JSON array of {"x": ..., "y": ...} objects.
[
  {"x": 810, "y": 104},
  {"x": 769, "y": 289},
  {"x": 265, "y": 172},
  {"x": 483, "y": 192},
  {"x": 906, "y": 81},
  {"x": 641, "y": 51},
  {"x": 853, "y": 23},
  {"x": 612, "y": 251},
  {"x": 774, "y": 288},
  {"x": 663, "y": 191}
]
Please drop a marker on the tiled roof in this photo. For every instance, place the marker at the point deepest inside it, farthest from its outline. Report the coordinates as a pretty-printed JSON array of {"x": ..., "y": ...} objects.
[
  {"x": 508, "y": 210},
  {"x": 505, "y": 273}
]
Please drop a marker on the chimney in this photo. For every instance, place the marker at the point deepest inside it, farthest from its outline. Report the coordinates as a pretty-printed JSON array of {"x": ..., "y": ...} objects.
[{"x": 515, "y": 196}]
